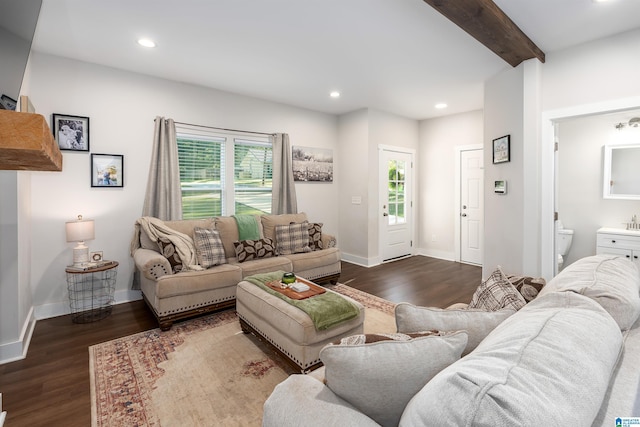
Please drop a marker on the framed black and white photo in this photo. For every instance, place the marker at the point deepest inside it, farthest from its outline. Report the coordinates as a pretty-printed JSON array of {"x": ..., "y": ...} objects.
[
  {"x": 502, "y": 149},
  {"x": 312, "y": 164},
  {"x": 71, "y": 132},
  {"x": 8, "y": 103},
  {"x": 107, "y": 170}
]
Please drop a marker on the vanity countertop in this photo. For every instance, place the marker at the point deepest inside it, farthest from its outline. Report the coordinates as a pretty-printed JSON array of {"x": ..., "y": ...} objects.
[{"x": 621, "y": 231}]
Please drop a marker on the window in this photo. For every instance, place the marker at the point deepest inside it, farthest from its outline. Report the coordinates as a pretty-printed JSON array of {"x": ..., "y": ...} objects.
[
  {"x": 396, "y": 192},
  {"x": 224, "y": 174}
]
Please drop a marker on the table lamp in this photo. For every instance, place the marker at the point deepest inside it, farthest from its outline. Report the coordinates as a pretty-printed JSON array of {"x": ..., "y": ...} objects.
[{"x": 79, "y": 231}]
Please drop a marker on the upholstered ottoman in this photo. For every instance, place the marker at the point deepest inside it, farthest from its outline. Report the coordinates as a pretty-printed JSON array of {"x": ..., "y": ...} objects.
[{"x": 288, "y": 329}]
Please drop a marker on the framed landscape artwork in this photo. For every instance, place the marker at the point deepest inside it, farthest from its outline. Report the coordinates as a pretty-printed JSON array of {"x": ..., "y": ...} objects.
[
  {"x": 107, "y": 170},
  {"x": 71, "y": 132},
  {"x": 312, "y": 164}
]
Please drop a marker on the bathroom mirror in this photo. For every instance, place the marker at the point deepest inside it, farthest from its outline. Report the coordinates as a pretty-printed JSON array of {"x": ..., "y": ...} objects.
[{"x": 621, "y": 172}]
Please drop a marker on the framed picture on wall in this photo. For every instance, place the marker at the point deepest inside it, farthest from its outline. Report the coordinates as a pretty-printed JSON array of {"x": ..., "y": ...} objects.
[
  {"x": 502, "y": 149},
  {"x": 312, "y": 164},
  {"x": 71, "y": 132},
  {"x": 107, "y": 170}
]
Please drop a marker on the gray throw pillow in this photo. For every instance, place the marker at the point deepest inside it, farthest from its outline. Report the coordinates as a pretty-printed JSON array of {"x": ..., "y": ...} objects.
[
  {"x": 209, "y": 249},
  {"x": 292, "y": 238},
  {"x": 477, "y": 323},
  {"x": 380, "y": 378},
  {"x": 496, "y": 292}
]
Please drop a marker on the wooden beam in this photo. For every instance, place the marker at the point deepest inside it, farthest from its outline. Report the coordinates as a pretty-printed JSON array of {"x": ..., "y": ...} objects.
[
  {"x": 488, "y": 24},
  {"x": 26, "y": 143}
]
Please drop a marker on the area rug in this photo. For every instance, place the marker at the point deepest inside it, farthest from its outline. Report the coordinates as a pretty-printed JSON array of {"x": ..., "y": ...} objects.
[{"x": 202, "y": 372}]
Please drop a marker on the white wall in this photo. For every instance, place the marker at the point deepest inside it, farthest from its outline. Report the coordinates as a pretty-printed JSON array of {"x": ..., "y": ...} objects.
[
  {"x": 360, "y": 134},
  {"x": 352, "y": 159},
  {"x": 121, "y": 106},
  {"x": 16, "y": 321},
  {"x": 503, "y": 115},
  {"x": 581, "y": 206},
  {"x": 605, "y": 69},
  {"x": 390, "y": 130},
  {"x": 439, "y": 138}
]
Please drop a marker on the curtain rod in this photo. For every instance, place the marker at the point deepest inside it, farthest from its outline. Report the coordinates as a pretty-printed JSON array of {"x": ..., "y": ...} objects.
[{"x": 228, "y": 130}]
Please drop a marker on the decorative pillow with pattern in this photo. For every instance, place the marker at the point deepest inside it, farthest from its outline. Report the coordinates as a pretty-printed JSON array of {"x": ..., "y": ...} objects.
[
  {"x": 496, "y": 292},
  {"x": 168, "y": 249},
  {"x": 527, "y": 286},
  {"x": 209, "y": 249},
  {"x": 246, "y": 250},
  {"x": 379, "y": 375},
  {"x": 315, "y": 236},
  {"x": 292, "y": 238}
]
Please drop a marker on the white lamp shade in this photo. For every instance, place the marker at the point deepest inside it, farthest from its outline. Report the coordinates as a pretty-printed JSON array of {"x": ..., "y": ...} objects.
[{"x": 79, "y": 231}]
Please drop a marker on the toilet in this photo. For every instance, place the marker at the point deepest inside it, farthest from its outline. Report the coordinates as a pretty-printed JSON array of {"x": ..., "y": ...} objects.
[{"x": 564, "y": 237}]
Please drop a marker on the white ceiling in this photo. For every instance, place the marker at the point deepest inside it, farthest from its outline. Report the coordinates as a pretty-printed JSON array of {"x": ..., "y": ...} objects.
[{"x": 399, "y": 56}]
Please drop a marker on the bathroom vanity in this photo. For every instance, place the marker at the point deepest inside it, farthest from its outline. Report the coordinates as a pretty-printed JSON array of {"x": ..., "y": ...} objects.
[{"x": 618, "y": 241}]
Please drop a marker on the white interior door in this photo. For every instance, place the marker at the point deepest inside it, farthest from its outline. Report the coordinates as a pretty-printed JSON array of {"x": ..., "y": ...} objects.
[
  {"x": 471, "y": 207},
  {"x": 396, "y": 186}
]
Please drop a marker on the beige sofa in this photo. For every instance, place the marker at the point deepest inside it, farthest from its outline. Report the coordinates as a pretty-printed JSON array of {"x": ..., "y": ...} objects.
[
  {"x": 569, "y": 357},
  {"x": 174, "y": 296}
]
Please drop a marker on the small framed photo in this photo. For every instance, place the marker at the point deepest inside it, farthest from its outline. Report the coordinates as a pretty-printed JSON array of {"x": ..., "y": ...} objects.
[
  {"x": 502, "y": 149},
  {"x": 107, "y": 170},
  {"x": 8, "y": 103},
  {"x": 71, "y": 132},
  {"x": 96, "y": 256}
]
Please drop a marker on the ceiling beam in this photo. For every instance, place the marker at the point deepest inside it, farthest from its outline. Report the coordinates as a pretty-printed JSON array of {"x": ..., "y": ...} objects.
[{"x": 488, "y": 24}]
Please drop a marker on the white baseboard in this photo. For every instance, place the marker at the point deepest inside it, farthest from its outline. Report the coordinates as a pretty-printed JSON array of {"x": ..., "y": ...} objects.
[
  {"x": 61, "y": 308},
  {"x": 3, "y": 414},
  {"x": 357, "y": 260},
  {"x": 444, "y": 255},
  {"x": 17, "y": 350}
]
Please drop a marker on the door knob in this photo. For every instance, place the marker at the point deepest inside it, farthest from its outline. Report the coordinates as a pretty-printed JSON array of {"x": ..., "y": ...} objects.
[
  {"x": 385, "y": 214},
  {"x": 464, "y": 214}
]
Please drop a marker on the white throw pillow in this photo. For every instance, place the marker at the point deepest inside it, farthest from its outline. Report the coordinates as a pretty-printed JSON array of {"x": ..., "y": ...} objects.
[{"x": 380, "y": 378}]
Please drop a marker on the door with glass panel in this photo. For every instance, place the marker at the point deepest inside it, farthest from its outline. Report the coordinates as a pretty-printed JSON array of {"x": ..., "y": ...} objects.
[{"x": 396, "y": 216}]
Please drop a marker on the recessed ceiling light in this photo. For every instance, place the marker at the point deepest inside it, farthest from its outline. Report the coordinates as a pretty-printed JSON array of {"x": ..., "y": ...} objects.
[
  {"x": 335, "y": 94},
  {"x": 146, "y": 43},
  {"x": 441, "y": 105}
]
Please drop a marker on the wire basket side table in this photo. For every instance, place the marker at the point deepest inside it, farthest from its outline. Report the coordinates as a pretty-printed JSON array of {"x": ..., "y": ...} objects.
[{"x": 91, "y": 292}]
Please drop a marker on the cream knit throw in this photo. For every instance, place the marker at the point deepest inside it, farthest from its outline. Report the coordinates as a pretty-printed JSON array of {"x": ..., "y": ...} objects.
[{"x": 156, "y": 228}]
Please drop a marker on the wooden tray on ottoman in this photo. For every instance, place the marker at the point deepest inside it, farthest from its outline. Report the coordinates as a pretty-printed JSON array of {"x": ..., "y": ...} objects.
[{"x": 288, "y": 292}]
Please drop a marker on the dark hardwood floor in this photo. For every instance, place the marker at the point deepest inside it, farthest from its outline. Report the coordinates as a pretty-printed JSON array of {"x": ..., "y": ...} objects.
[{"x": 50, "y": 387}]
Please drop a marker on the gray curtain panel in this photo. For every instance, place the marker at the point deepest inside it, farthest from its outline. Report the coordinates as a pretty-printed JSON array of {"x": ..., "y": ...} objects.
[
  {"x": 164, "y": 198},
  {"x": 284, "y": 190}
]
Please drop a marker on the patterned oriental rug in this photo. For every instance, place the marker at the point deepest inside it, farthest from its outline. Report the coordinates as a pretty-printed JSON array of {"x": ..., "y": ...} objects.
[{"x": 202, "y": 372}]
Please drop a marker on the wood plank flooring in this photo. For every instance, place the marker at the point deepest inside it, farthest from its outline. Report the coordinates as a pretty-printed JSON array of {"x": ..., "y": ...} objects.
[{"x": 50, "y": 387}]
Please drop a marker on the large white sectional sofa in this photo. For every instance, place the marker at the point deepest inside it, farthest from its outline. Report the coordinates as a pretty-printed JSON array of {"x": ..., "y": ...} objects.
[
  {"x": 569, "y": 357},
  {"x": 174, "y": 295}
]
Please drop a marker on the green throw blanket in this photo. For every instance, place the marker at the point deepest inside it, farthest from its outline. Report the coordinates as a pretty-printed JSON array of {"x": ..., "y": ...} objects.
[
  {"x": 325, "y": 310},
  {"x": 247, "y": 227}
]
